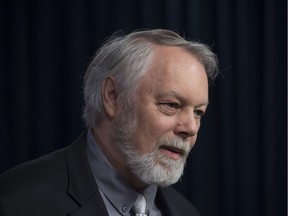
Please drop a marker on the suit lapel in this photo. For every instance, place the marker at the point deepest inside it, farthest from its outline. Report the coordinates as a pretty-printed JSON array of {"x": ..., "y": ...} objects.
[
  {"x": 162, "y": 202},
  {"x": 93, "y": 207},
  {"x": 82, "y": 186},
  {"x": 172, "y": 203}
]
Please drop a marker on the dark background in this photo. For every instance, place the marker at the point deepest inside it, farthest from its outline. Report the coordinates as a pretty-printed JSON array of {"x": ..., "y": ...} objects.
[{"x": 237, "y": 168}]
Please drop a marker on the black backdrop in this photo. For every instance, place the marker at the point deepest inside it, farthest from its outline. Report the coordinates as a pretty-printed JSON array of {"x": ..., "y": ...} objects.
[{"x": 237, "y": 168}]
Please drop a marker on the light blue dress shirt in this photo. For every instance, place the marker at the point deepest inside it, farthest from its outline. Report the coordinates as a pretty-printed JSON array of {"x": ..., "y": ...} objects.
[{"x": 117, "y": 194}]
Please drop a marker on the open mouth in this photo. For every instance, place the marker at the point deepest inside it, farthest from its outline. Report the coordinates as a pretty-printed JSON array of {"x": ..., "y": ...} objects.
[{"x": 172, "y": 152}]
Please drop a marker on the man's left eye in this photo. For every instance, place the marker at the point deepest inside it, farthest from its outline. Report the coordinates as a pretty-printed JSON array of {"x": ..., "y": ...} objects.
[{"x": 199, "y": 113}]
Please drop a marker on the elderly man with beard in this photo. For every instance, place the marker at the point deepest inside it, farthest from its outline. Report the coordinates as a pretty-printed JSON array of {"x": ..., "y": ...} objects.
[{"x": 145, "y": 94}]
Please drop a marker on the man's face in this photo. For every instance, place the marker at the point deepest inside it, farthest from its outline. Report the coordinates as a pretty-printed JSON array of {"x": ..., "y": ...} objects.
[{"x": 161, "y": 126}]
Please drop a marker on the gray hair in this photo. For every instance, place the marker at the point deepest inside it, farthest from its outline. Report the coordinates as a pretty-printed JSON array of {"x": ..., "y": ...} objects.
[{"x": 125, "y": 57}]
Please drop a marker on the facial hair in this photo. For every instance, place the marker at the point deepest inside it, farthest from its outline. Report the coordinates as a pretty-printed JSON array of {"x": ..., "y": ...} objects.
[
  {"x": 157, "y": 168},
  {"x": 152, "y": 167}
]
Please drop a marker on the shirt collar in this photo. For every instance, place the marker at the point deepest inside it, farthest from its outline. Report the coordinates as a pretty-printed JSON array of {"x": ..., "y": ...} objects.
[{"x": 115, "y": 187}]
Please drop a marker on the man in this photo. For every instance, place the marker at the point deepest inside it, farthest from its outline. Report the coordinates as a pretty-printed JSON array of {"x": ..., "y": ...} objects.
[{"x": 145, "y": 94}]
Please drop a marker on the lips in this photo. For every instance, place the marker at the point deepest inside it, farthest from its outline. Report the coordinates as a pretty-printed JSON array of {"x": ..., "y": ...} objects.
[
  {"x": 173, "y": 149},
  {"x": 172, "y": 152}
]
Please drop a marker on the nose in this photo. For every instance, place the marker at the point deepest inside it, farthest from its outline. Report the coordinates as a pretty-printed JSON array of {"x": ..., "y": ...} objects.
[{"x": 188, "y": 125}]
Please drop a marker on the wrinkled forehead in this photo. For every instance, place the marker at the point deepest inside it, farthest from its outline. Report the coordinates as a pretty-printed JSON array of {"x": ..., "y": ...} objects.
[
  {"x": 172, "y": 61},
  {"x": 174, "y": 71}
]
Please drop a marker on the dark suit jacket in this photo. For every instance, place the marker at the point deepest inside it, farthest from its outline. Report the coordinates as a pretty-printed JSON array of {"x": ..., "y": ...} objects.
[{"x": 62, "y": 183}]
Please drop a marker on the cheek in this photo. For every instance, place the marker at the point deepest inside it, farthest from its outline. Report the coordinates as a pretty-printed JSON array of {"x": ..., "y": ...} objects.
[
  {"x": 150, "y": 129},
  {"x": 155, "y": 123},
  {"x": 193, "y": 141}
]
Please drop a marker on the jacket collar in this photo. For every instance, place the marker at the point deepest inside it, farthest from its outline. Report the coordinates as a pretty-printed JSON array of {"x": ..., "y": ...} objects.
[{"x": 81, "y": 184}]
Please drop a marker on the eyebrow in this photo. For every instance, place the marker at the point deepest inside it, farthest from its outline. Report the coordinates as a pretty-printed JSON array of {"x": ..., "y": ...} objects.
[{"x": 175, "y": 94}]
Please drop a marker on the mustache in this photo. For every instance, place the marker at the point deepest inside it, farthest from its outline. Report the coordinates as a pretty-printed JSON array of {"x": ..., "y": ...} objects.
[{"x": 175, "y": 144}]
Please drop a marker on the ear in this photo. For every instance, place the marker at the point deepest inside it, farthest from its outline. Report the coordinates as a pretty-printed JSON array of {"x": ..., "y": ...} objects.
[{"x": 109, "y": 96}]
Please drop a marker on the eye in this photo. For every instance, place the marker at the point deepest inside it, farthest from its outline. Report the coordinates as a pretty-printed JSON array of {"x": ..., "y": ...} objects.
[
  {"x": 169, "y": 108},
  {"x": 199, "y": 113},
  {"x": 172, "y": 105}
]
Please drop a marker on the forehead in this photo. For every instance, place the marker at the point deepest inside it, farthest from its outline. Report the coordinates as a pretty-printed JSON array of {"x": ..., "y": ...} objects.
[
  {"x": 174, "y": 70},
  {"x": 167, "y": 59}
]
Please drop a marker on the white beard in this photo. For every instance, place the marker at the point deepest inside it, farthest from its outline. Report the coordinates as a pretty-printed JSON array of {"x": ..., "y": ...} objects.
[
  {"x": 152, "y": 167},
  {"x": 155, "y": 167}
]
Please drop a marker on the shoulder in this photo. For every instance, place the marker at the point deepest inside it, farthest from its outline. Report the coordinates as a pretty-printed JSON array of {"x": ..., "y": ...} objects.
[
  {"x": 41, "y": 185},
  {"x": 176, "y": 203},
  {"x": 28, "y": 174},
  {"x": 48, "y": 168},
  {"x": 26, "y": 183}
]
